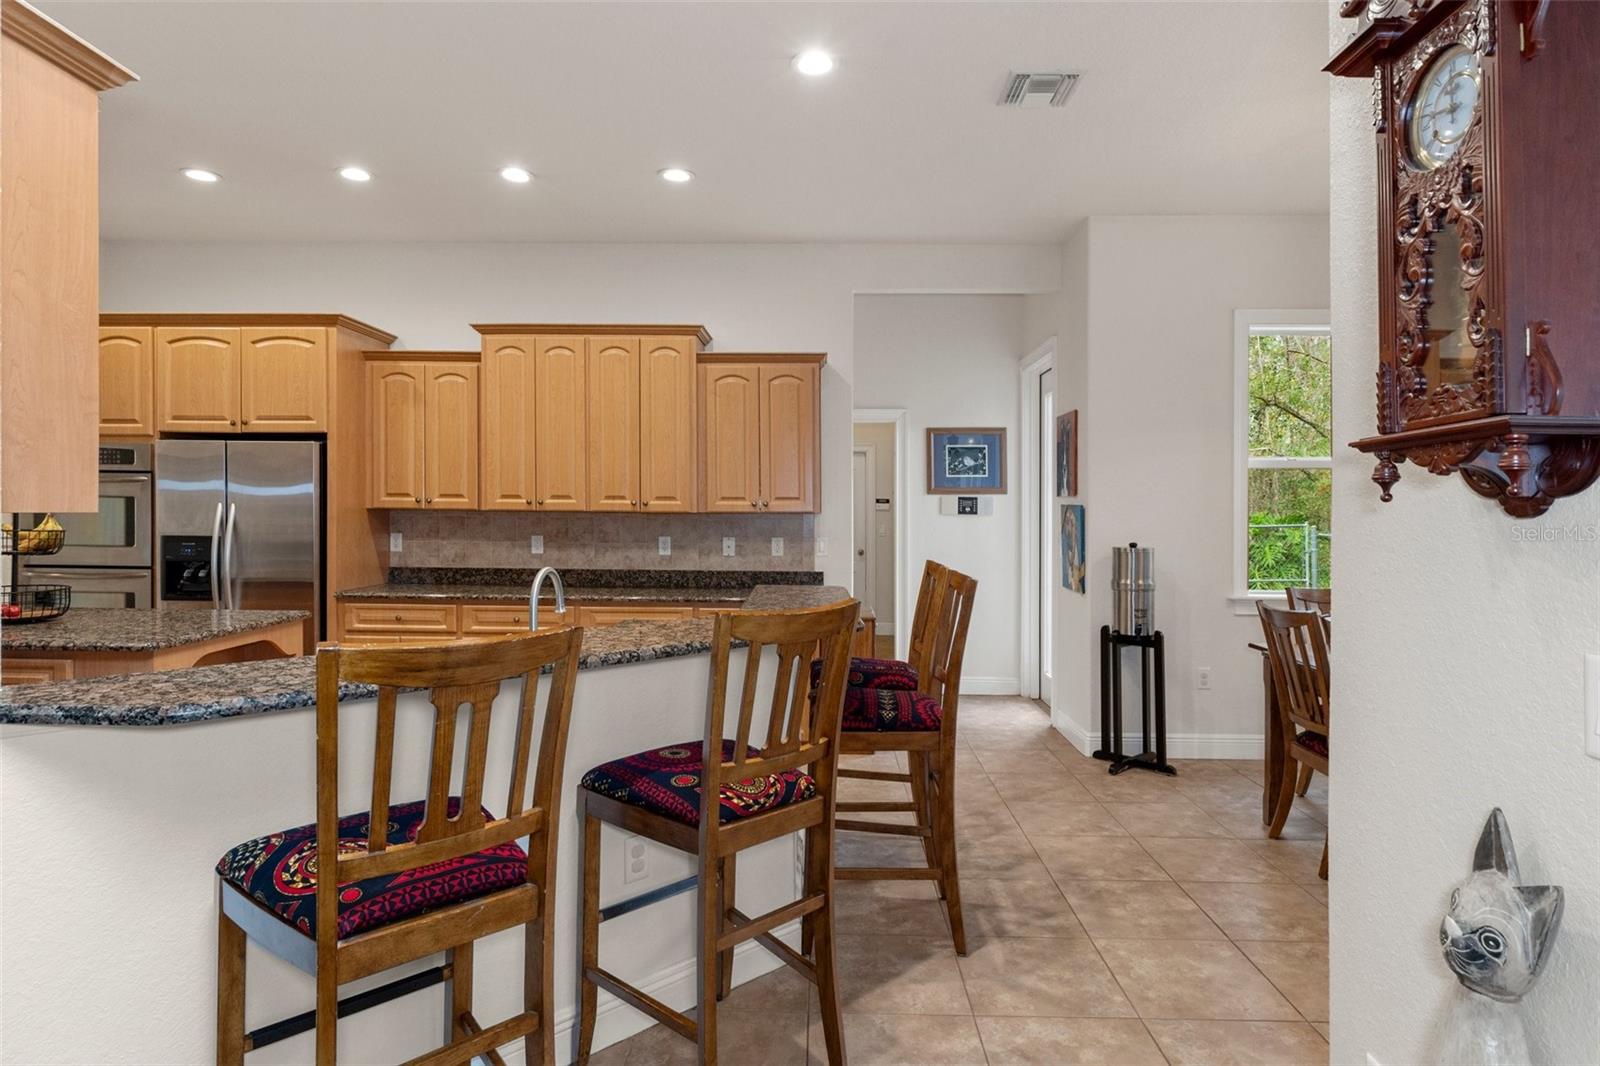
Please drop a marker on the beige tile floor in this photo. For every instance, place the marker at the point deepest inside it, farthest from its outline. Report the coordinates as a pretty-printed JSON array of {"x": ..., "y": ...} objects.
[{"x": 1127, "y": 920}]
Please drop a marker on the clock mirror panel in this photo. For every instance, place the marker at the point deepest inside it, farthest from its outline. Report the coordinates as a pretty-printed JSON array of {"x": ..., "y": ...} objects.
[{"x": 1451, "y": 354}]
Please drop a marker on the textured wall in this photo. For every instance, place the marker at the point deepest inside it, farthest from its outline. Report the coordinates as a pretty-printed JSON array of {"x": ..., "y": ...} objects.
[{"x": 1458, "y": 687}]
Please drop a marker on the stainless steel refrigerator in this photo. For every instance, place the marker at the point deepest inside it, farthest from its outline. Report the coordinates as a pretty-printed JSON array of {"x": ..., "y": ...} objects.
[{"x": 239, "y": 525}]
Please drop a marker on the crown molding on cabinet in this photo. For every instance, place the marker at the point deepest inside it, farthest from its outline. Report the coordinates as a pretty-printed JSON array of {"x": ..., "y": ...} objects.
[
  {"x": 818, "y": 358},
  {"x": 614, "y": 329},
  {"x": 45, "y": 36},
  {"x": 126, "y": 318}
]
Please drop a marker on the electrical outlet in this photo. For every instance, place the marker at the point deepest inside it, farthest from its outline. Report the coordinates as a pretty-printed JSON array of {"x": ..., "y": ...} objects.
[
  {"x": 394, "y": 543},
  {"x": 1591, "y": 705},
  {"x": 1202, "y": 678},
  {"x": 536, "y": 544},
  {"x": 635, "y": 859},
  {"x": 663, "y": 545},
  {"x": 777, "y": 545},
  {"x": 728, "y": 547},
  {"x": 822, "y": 545}
]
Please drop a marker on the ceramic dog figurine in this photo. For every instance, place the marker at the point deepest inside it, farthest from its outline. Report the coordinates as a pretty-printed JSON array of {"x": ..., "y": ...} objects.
[{"x": 1495, "y": 939}]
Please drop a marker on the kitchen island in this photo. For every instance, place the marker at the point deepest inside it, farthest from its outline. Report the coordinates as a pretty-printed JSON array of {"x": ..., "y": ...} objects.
[
  {"x": 99, "y": 641},
  {"x": 118, "y": 796}
]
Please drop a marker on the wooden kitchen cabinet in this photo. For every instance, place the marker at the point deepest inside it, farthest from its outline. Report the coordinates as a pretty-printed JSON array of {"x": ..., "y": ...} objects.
[
  {"x": 789, "y": 429},
  {"x": 613, "y": 423},
  {"x": 667, "y": 426},
  {"x": 197, "y": 379},
  {"x": 283, "y": 379},
  {"x": 395, "y": 442},
  {"x": 730, "y": 404},
  {"x": 50, "y": 82},
  {"x": 422, "y": 421},
  {"x": 450, "y": 436},
  {"x": 506, "y": 453},
  {"x": 560, "y": 432},
  {"x": 605, "y": 616},
  {"x": 127, "y": 376},
  {"x": 490, "y": 620},
  {"x": 415, "y": 621}
]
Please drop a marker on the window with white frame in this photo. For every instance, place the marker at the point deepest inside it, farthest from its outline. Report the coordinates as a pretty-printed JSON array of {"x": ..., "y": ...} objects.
[{"x": 1284, "y": 483}]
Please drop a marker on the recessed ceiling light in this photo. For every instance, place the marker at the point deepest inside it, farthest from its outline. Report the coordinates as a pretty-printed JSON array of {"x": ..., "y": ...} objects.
[
  {"x": 354, "y": 174},
  {"x": 199, "y": 174},
  {"x": 516, "y": 175},
  {"x": 676, "y": 174},
  {"x": 813, "y": 62}
]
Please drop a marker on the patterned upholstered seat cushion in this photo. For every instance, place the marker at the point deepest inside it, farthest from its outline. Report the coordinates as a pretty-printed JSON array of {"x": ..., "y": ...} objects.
[
  {"x": 1316, "y": 743},
  {"x": 279, "y": 871},
  {"x": 873, "y": 674},
  {"x": 887, "y": 710},
  {"x": 667, "y": 781}
]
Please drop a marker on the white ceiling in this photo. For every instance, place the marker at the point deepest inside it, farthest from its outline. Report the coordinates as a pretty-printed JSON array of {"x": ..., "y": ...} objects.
[{"x": 1184, "y": 107}]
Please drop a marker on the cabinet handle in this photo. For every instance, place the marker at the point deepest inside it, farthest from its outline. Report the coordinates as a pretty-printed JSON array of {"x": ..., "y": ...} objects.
[
  {"x": 753, "y": 503},
  {"x": 232, "y": 422},
  {"x": 246, "y": 421},
  {"x": 634, "y": 503},
  {"x": 541, "y": 503},
  {"x": 417, "y": 498},
  {"x": 430, "y": 499}
]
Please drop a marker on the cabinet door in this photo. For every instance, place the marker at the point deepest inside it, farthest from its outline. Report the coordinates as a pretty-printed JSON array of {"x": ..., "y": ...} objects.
[
  {"x": 197, "y": 379},
  {"x": 559, "y": 433},
  {"x": 506, "y": 445},
  {"x": 127, "y": 386},
  {"x": 613, "y": 373},
  {"x": 667, "y": 424},
  {"x": 789, "y": 437},
  {"x": 399, "y": 619},
  {"x": 283, "y": 380},
  {"x": 394, "y": 428},
  {"x": 607, "y": 616},
  {"x": 450, "y": 436},
  {"x": 730, "y": 403}
]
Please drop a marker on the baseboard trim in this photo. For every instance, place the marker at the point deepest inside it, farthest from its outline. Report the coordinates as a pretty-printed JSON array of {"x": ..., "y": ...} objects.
[
  {"x": 990, "y": 686},
  {"x": 1179, "y": 745},
  {"x": 674, "y": 985}
]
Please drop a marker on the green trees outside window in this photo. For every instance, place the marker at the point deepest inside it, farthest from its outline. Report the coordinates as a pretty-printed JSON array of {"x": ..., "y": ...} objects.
[{"x": 1289, "y": 483}]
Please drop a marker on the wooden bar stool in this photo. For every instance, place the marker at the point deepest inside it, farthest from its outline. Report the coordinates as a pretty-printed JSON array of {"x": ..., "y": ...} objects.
[
  {"x": 884, "y": 713},
  {"x": 1297, "y": 648},
  {"x": 713, "y": 808},
  {"x": 431, "y": 875}
]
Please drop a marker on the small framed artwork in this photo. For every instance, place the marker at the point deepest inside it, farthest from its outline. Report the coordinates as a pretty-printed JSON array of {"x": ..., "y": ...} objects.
[
  {"x": 1073, "y": 566},
  {"x": 963, "y": 462},
  {"x": 1067, "y": 454}
]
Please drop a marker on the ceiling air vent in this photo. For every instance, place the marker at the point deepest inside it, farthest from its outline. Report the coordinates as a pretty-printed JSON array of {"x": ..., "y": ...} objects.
[{"x": 1038, "y": 90}]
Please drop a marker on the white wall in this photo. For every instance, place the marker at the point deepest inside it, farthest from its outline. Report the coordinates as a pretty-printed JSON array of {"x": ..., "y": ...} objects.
[
  {"x": 1458, "y": 688},
  {"x": 1152, "y": 377},
  {"x": 751, "y": 297},
  {"x": 952, "y": 361},
  {"x": 880, "y": 524}
]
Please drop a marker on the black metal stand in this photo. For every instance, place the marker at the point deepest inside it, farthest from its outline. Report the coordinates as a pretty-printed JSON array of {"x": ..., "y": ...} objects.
[{"x": 1152, "y": 698}]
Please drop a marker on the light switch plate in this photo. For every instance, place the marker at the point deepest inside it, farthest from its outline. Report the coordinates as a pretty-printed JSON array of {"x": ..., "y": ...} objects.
[
  {"x": 663, "y": 545},
  {"x": 822, "y": 545},
  {"x": 777, "y": 545},
  {"x": 1591, "y": 705},
  {"x": 728, "y": 547},
  {"x": 536, "y": 544},
  {"x": 394, "y": 543}
]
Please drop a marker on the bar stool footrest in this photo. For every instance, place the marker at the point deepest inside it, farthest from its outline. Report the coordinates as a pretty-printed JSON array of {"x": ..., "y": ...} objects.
[
  {"x": 305, "y": 1022},
  {"x": 481, "y": 1042},
  {"x": 678, "y": 1022}
]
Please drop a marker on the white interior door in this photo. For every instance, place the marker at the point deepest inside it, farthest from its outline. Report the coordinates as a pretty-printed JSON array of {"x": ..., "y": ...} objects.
[
  {"x": 1048, "y": 555},
  {"x": 861, "y": 491}
]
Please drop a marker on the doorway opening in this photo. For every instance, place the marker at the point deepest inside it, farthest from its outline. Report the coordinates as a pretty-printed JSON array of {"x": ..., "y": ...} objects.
[
  {"x": 1046, "y": 524},
  {"x": 878, "y": 530},
  {"x": 1040, "y": 566}
]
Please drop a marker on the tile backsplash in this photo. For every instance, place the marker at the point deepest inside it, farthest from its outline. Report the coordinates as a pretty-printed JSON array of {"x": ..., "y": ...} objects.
[{"x": 601, "y": 541}]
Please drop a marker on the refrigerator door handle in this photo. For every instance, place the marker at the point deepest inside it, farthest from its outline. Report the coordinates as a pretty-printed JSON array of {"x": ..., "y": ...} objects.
[
  {"x": 216, "y": 544},
  {"x": 227, "y": 555}
]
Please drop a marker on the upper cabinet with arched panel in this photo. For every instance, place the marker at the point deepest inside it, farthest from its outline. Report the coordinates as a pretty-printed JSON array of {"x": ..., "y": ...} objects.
[{"x": 1489, "y": 324}]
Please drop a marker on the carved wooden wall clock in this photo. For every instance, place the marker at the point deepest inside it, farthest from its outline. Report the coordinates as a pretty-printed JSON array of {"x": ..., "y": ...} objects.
[{"x": 1487, "y": 116}]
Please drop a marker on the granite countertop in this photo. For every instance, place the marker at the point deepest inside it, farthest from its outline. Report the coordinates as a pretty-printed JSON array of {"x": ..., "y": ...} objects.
[
  {"x": 205, "y": 693},
  {"x": 121, "y": 629},
  {"x": 519, "y": 593},
  {"x": 793, "y": 597}
]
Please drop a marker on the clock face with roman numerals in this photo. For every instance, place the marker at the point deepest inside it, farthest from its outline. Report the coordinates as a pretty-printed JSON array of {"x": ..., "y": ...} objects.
[{"x": 1443, "y": 106}]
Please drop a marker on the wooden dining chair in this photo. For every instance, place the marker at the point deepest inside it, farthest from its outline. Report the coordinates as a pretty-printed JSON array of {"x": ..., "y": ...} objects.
[
  {"x": 1321, "y": 601},
  {"x": 1297, "y": 647},
  {"x": 714, "y": 808},
  {"x": 426, "y": 876},
  {"x": 921, "y": 722}
]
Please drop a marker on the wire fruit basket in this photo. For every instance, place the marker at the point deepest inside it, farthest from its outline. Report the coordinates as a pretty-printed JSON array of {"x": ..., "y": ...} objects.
[
  {"x": 21, "y": 604},
  {"x": 32, "y": 541}
]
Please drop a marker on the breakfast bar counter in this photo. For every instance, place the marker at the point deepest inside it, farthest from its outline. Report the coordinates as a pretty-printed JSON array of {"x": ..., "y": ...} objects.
[{"x": 119, "y": 795}]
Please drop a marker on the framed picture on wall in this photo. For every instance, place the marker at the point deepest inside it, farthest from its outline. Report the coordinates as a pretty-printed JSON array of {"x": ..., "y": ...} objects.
[
  {"x": 964, "y": 462},
  {"x": 1074, "y": 568},
  {"x": 1067, "y": 454}
]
